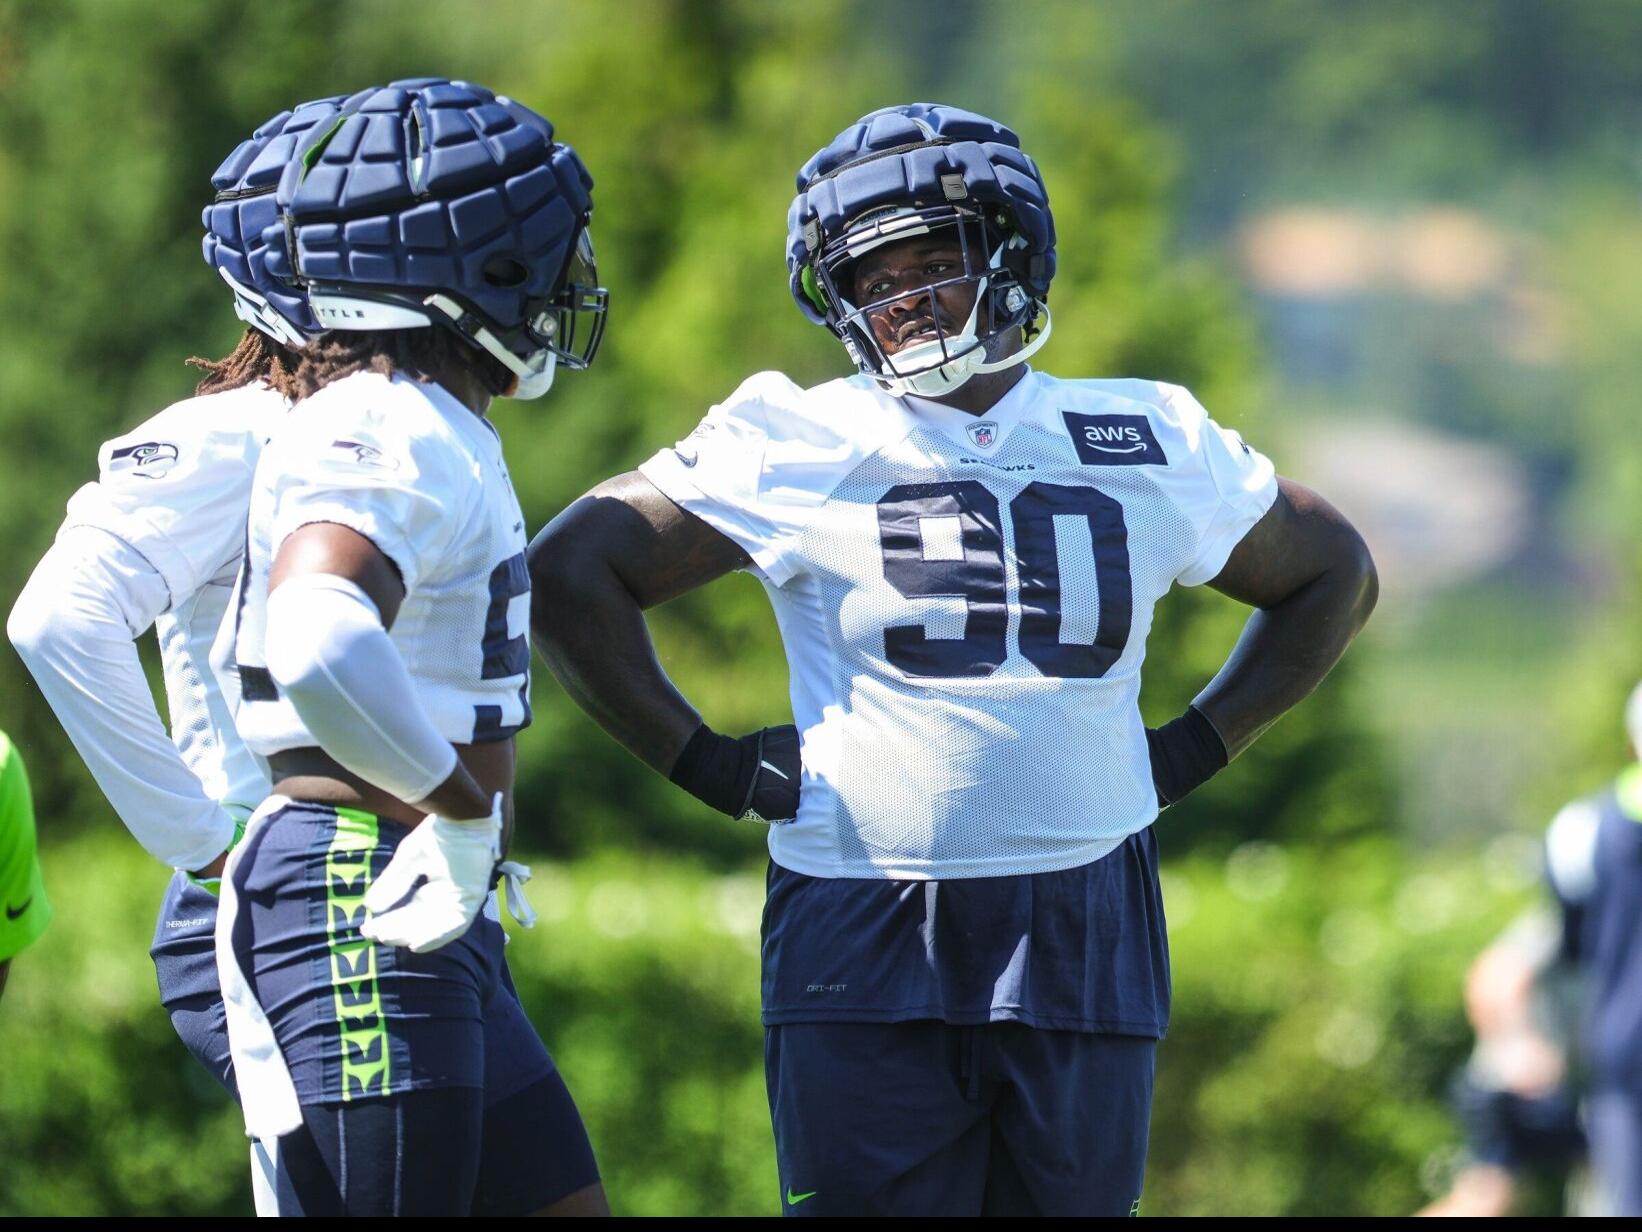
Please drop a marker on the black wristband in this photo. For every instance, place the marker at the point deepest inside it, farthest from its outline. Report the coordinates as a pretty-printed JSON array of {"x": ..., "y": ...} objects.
[
  {"x": 754, "y": 778},
  {"x": 717, "y": 770},
  {"x": 1186, "y": 753}
]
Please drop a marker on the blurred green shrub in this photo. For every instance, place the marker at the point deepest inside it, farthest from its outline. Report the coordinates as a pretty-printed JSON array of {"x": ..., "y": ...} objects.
[
  {"x": 1314, "y": 1017},
  {"x": 1316, "y": 1023},
  {"x": 643, "y": 976}
]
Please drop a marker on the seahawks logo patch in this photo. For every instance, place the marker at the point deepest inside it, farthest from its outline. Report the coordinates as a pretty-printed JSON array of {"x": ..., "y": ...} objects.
[
  {"x": 367, "y": 455},
  {"x": 150, "y": 460}
]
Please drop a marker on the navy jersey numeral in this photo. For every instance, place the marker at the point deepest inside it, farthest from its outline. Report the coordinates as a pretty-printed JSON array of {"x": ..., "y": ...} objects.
[
  {"x": 1033, "y": 513},
  {"x": 977, "y": 576},
  {"x": 504, "y": 656}
]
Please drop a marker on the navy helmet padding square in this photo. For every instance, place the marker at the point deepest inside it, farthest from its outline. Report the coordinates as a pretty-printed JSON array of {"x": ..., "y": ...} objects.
[
  {"x": 237, "y": 224},
  {"x": 422, "y": 184}
]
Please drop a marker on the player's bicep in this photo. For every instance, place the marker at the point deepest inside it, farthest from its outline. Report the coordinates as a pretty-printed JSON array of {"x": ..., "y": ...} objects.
[
  {"x": 328, "y": 547},
  {"x": 626, "y": 525},
  {"x": 1299, "y": 539},
  {"x": 671, "y": 550}
]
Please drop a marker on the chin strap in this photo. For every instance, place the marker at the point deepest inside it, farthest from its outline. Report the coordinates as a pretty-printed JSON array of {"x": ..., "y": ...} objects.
[
  {"x": 943, "y": 379},
  {"x": 534, "y": 380},
  {"x": 1022, "y": 355},
  {"x": 253, "y": 308}
]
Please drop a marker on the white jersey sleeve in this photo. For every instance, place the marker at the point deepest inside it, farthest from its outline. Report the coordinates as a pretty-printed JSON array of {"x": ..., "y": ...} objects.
[
  {"x": 74, "y": 625},
  {"x": 156, "y": 540},
  {"x": 1221, "y": 485},
  {"x": 175, "y": 487},
  {"x": 721, "y": 473},
  {"x": 405, "y": 490},
  {"x": 1570, "y": 850}
]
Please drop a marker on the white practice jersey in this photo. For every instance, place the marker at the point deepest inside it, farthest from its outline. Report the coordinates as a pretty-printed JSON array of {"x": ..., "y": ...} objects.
[
  {"x": 965, "y": 602},
  {"x": 176, "y": 489},
  {"x": 421, "y": 476}
]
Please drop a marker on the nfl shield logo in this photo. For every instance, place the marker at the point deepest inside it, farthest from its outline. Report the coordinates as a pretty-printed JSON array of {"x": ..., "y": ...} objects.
[{"x": 983, "y": 434}]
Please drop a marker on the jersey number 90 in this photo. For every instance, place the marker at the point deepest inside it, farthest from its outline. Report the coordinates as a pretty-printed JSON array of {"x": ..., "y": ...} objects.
[{"x": 979, "y": 578}]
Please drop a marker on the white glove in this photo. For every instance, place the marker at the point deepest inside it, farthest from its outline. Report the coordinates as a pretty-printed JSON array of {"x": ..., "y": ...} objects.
[{"x": 436, "y": 883}]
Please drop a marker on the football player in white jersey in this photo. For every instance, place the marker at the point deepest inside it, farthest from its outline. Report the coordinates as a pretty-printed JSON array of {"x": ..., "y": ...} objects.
[
  {"x": 156, "y": 541},
  {"x": 965, "y": 967},
  {"x": 381, "y": 647}
]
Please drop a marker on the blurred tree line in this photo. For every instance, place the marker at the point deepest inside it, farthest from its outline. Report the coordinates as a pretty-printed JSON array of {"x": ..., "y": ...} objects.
[{"x": 1315, "y": 1015}]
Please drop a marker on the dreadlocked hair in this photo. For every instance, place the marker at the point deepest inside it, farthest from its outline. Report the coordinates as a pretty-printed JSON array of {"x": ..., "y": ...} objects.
[
  {"x": 430, "y": 353},
  {"x": 256, "y": 357}
]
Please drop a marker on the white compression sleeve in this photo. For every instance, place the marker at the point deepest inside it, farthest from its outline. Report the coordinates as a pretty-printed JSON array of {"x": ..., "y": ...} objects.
[
  {"x": 74, "y": 625},
  {"x": 328, "y": 652}
]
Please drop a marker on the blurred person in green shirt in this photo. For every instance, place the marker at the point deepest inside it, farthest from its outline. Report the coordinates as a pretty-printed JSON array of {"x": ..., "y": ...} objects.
[{"x": 22, "y": 890}]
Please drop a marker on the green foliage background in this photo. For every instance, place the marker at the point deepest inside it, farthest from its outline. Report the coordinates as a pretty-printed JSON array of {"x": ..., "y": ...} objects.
[{"x": 1317, "y": 948}]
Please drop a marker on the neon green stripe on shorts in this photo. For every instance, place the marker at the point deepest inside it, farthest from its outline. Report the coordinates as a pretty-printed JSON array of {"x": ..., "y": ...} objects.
[{"x": 366, "y": 1064}]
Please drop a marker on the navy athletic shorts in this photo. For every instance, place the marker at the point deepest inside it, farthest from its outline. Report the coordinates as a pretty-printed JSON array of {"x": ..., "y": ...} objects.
[
  {"x": 531, "y": 1145},
  {"x": 410, "y": 1167},
  {"x": 925, "y": 1118},
  {"x": 1077, "y": 949},
  {"x": 185, "y": 964},
  {"x": 972, "y": 1046}
]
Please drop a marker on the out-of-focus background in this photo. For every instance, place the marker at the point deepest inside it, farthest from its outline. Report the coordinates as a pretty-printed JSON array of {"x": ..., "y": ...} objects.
[{"x": 1397, "y": 244}]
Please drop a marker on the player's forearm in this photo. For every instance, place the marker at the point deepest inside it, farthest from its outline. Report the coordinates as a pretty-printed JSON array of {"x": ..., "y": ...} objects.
[
  {"x": 1287, "y": 648},
  {"x": 590, "y": 630},
  {"x": 594, "y": 571},
  {"x": 329, "y": 654},
  {"x": 73, "y": 627}
]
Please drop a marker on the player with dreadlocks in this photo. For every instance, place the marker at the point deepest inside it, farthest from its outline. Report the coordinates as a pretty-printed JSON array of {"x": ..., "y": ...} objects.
[{"x": 440, "y": 233}]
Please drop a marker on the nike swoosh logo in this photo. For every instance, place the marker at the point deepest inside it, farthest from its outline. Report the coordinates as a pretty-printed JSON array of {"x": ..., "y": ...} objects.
[
  {"x": 794, "y": 1199},
  {"x": 13, "y": 913},
  {"x": 773, "y": 770}
]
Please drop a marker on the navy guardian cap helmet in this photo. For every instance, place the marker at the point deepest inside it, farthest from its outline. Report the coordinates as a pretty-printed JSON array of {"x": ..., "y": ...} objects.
[
  {"x": 238, "y": 222},
  {"x": 913, "y": 170},
  {"x": 435, "y": 202}
]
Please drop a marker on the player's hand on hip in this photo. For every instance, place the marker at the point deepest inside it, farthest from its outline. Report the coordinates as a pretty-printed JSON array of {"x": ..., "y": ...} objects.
[
  {"x": 1185, "y": 753},
  {"x": 209, "y": 878},
  {"x": 774, "y": 794},
  {"x": 436, "y": 884},
  {"x": 753, "y": 778}
]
